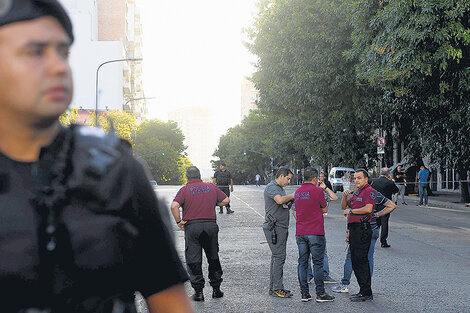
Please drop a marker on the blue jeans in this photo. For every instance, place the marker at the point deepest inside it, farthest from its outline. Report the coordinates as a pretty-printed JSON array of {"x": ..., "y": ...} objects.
[
  {"x": 313, "y": 245},
  {"x": 423, "y": 191},
  {"x": 326, "y": 267},
  {"x": 348, "y": 265}
]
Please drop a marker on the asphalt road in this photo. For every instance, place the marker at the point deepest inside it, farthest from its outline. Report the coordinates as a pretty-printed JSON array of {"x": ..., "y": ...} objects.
[{"x": 426, "y": 269}]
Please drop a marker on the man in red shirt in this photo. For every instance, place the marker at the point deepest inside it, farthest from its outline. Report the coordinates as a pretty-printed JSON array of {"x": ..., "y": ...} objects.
[
  {"x": 310, "y": 204},
  {"x": 359, "y": 209},
  {"x": 201, "y": 231}
]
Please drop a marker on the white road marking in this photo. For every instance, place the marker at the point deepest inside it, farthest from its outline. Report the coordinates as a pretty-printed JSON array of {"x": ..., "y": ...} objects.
[{"x": 247, "y": 205}]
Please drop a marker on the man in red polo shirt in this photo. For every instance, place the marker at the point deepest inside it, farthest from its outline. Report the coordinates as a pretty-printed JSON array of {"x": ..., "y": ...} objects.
[
  {"x": 359, "y": 208},
  {"x": 310, "y": 204},
  {"x": 201, "y": 231}
]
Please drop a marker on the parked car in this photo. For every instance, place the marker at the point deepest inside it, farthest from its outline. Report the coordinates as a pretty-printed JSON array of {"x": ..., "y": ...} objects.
[
  {"x": 341, "y": 178},
  {"x": 153, "y": 183}
]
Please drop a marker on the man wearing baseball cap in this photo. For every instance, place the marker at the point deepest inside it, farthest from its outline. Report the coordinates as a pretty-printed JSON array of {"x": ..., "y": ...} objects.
[{"x": 80, "y": 226}]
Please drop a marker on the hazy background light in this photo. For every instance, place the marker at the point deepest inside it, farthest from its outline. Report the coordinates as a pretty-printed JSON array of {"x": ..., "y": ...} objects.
[{"x": 194, "y": 56}]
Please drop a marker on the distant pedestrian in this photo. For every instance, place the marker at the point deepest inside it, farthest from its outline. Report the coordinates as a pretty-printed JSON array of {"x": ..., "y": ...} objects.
[
  {"x": 383, "y": 206},
  {"x": 258, "y": 178},
  {"x": 385, "y": 186},
  {"x": 276, "y": 228},
  {"x": 310, "y": 204},
  {"x": 324, "y": 179},
  {"x": 468, "y": 182},
  {"x": 423, "y": 175},
  {"x": 201, "y": 231},
  {"x": 299, "y": 177},
  {"x": 359, "y": 210},
  {"x": 223, "y": 180},
  {"x": 400, "y": 181}
]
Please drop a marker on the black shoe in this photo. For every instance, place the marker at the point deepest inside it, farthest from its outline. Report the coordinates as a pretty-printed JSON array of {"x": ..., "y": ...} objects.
[
  {"x": 358, "y": 297},
  {"x": 385, "y": 245},
  {"x": 198, "y": 296},
  {"x": 229, "y": 211},
  {"x": 217, "y": 293},
  {"x": 404, "y": 203},
  {"x": 305, "y": 297},
  {"x": 324, "y": 298}
]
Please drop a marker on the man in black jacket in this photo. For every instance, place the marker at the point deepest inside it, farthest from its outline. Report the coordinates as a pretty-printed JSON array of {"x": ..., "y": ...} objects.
[{"x": 385, "y": 186}]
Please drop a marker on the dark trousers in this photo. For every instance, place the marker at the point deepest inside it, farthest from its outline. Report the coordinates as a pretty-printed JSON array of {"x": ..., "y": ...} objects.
[
  {"x": 359, "y": 240},
  {"x": 198, "y": 235},
  {"x": 384, "y": 228},
  {"x": 226, "y": 190}
]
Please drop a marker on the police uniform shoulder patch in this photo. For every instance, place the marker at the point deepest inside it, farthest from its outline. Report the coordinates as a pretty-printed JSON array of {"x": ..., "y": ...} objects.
[{"x": 373, "y": 196}]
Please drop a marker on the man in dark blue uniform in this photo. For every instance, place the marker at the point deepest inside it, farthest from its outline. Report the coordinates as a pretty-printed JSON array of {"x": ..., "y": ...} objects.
[
  {"x": 223, "y": 180},
  {"x": 387, "y": 187},
  {"x": 80, "y": 227}
]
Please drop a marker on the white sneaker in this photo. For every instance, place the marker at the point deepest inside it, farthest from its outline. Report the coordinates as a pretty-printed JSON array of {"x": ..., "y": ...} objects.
[{"x": 340, "y": 288}]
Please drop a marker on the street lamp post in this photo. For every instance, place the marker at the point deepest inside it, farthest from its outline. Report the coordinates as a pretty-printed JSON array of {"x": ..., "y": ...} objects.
[
  {"x": 97, "y": 80},
  {"x": 135, "y": 99}
]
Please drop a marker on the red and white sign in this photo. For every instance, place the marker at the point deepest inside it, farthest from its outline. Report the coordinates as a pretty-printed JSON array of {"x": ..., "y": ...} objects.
[{"x": 381, "y": 142}]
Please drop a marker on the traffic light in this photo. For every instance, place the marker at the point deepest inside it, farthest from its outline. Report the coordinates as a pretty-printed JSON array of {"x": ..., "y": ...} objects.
[
  {"x": 163, "y": 153},
  {"x": 244, "y": 152}
]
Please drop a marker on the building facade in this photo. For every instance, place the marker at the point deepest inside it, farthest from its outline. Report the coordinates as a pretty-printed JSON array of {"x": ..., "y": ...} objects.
[
  {"x": 197, "y": 125},
  {"x": 106, "y": 30},
  {"x": 249, "y": 97}
]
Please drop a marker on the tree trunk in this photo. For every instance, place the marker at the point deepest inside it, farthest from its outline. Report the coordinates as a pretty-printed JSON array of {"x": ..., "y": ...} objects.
[{"x": 464, "y": 196}]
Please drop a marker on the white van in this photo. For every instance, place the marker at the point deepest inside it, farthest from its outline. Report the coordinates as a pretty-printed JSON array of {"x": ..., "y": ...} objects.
[{"x": 341, "y": 178}]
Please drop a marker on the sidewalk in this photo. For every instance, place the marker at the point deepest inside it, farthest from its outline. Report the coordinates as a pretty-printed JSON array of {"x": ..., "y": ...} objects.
[{"x": 444, "y": 199}]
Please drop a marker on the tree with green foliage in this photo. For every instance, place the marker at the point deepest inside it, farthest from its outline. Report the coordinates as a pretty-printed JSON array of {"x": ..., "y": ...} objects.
[
  {"x": 243, "y": 149},
  {"x": 68, "y": 117},
  {"x": 306, "y": 84},
  {"x": 124, "y": 123},
  {"x": 418, "y": 53},
  {"x": 160, "y": 145}
]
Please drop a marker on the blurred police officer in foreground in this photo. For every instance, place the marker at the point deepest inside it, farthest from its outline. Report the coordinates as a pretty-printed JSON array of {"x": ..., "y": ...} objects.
[{"x": 80, "y": 227}]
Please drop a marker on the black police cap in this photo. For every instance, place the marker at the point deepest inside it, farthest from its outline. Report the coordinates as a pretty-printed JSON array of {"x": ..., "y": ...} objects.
[{"x": 12, "y": 11}]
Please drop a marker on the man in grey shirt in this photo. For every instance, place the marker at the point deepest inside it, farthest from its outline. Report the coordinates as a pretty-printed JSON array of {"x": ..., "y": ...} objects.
[{"x": 276, "y": 227}]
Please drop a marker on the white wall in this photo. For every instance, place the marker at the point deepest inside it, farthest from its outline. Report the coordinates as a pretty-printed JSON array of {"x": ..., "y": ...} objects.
[{"x": 87, "y": 54}]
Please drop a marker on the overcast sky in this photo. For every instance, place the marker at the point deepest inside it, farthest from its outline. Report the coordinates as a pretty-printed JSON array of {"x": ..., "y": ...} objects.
[{"x": 194, "y": 56}]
